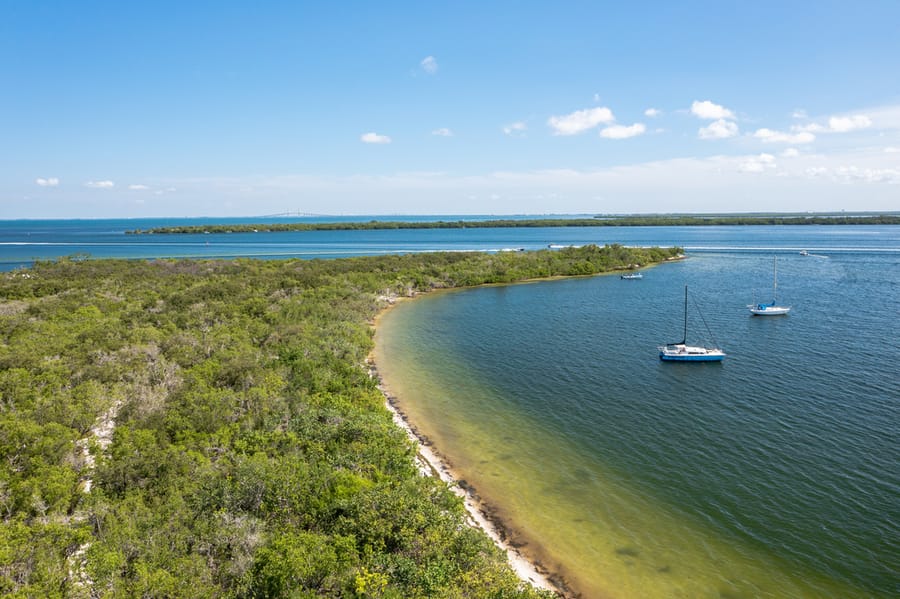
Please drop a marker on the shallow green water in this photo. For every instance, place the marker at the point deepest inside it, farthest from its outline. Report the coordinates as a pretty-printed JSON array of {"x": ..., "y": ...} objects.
[{"x": 773, "y": 474}]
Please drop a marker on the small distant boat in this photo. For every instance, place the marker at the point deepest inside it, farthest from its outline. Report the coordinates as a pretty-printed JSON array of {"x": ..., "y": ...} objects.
[
  {"x": 682, "y": 352},
  {"x": 770, "y": 309},
  {"x": 633, "y": 275},
  {"x": 804, "y": 253}
]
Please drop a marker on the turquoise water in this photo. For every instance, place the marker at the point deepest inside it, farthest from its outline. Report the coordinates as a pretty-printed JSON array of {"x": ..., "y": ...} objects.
[{"x": 774, "y": 473}]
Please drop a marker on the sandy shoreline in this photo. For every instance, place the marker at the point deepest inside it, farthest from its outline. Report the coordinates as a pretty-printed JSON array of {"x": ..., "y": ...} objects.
[{"x": 432, "y": 464}]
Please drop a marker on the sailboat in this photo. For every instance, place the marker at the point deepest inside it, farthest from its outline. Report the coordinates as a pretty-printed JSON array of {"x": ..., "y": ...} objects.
[
  {"x": 770, "y": 309},
  {"x": 682, "y": 352}
]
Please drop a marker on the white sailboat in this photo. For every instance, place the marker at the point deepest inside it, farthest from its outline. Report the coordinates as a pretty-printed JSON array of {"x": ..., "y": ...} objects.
[
  {"x": 770, "y": 309},
  {"x": 682, "y": 352}
]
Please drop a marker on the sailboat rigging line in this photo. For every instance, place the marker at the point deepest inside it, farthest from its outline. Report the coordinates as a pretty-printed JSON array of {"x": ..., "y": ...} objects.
[{"x": 700, "y": 312}]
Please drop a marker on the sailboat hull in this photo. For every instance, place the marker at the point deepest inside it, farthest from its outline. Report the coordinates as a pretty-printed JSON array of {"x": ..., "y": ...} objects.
[
  {"x": 687, "y": 353},
  {"x": 764, "y": 310}
]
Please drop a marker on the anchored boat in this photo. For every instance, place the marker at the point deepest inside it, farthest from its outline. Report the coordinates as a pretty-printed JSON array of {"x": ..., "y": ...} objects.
[
  {"x": 770, "y": 309},
  {"x": 682, "y": 352}
]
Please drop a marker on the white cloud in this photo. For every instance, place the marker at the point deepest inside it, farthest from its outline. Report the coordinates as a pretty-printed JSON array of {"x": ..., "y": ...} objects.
[
  {"x": 652, "y": 112},
  {"x": 837, "y": 124},
  {"x": 720, "y": 129},
  {"x": 580, "y": 121},
  {"x": 844, "y": 124},
  {"x": 770, "y": 136},
  {"x": 694, "y": 184},
  {"x": 790, "y": 153},
  {"x": 48, "y": 182},
  {"x": 429, "y": 65},
  {"x": 374, "y": 138},
  {"x": 810, "y": 128},
  {"x": 623, "y": 132},
  {"x": 891, "y": 150},
  {"x": 814, "y": 172},
  {"x": 442, "y": 132},
  {"x": 708, "y": 110},
  {"x": 100, "y": 184},
  {"x": 138, "y": 187},
  {"x": 757, "y": 164},
  {"x": 799, "y": 114},
  {"x": 517, "y": 128},
  {"x": 851, "y": 174}
]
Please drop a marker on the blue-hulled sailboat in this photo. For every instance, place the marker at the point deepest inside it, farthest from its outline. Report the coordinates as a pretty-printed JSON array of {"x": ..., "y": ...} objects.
[{"x": 682, "y": 352}]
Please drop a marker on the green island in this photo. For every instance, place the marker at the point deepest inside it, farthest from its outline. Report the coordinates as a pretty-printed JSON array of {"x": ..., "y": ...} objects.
[
  {"x": 599, "y": 221},
  {"x": 179, "y": 428}
]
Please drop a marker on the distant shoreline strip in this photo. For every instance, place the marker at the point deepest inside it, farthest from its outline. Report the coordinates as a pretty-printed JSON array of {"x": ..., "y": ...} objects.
[{"x": 612, "y": 221}]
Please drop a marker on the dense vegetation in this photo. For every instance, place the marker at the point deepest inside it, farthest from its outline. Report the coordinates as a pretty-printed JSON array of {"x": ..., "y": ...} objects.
[
  {"x": 611, "y": 221},
  {"x": 209, "y": 429}
]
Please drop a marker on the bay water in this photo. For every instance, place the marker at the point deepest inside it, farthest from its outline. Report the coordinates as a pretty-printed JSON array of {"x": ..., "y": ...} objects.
[{"x": 772, "y": 474}]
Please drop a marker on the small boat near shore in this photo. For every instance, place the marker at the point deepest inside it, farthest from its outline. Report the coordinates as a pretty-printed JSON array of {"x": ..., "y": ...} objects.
[
  {"x": 632, "y": 275},
  {"x": 804, "y": 253},
  {"x": 682, "y": 352}
]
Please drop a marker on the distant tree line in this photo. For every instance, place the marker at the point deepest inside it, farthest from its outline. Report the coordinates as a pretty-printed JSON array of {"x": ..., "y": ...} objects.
[
  {"x": 176, "y": 428},
  {"x": 611, "y": 221}
]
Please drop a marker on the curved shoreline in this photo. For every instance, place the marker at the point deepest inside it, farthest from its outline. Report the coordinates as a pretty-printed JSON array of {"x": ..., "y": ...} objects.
[{"x": 480, "y": 515}]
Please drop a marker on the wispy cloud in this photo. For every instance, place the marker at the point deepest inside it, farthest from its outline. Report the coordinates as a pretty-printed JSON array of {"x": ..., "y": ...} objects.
[
  {"x": 517, "y": 128},
  {"x": 652, "y": 113},
  {"x": 429, "y": 65},
  {"x": 720, "y": 129},
  {"x": 622, "y": 131},
  {"x": 443, "y": 132},
  {"x": 580, "y": 121},
  {"x": 48, "y": 182},
  {"x": 810, "y": 181},
  {"x": 848, "y": 175},
  {"x": 851, "y": 174},
  {"x": 771, "y": 136},
  {"x": 757, "y": 164},
  {"x": 374, "y": 138},
  {"x": 138, "y": 187},
  {"x": 710, "y": 111},
  {"x": 839, "y": 124},
  {"x": 100, "y": 184}
]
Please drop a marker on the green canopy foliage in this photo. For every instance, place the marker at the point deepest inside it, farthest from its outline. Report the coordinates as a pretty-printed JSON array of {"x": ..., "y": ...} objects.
[{"x": 209, "y": 428}]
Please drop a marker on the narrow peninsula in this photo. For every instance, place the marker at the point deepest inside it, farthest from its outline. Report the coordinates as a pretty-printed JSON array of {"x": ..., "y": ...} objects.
[{"x": 210, "y": 429}]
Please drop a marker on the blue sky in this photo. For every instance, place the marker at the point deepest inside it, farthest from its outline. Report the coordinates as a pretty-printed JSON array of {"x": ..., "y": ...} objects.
[{"x": 127, "y": 109}]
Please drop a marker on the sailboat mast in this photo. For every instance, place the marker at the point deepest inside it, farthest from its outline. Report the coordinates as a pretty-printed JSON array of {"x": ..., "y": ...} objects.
[
  {"x": 775, "y": 280},
  {"x": 684, "y": 338}
]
